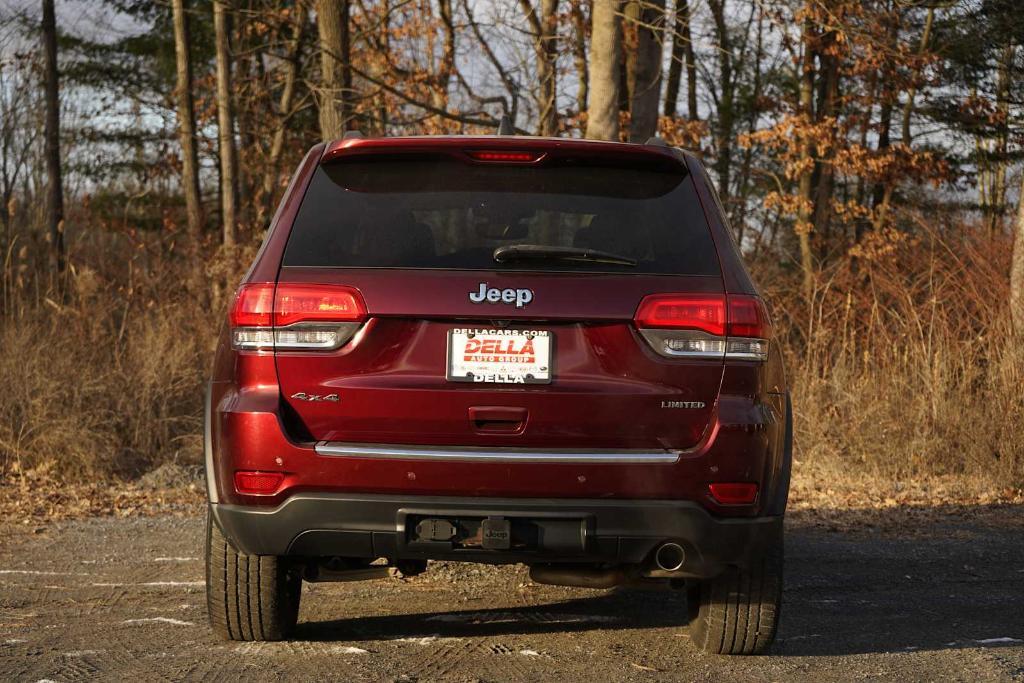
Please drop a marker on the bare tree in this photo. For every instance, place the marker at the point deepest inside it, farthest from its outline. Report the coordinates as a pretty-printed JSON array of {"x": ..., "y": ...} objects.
[
  {"x": 186, "y": 120},
  {"x": 19, "y": 110},
  {"x": 605, "y": 58},
  {"x": 225, "y": 126},
  {"x": 682, "y": 56},
  {"x": 545, "y": 44},
  {"x": 285, "y": 110},
  {"x": 442, "y": 76},
  {"x": 645, "y": 71},
  {"x": 806, "y": 105},
  {"x": 55, "y": 188},
  {"x": 726, "y": 97},
  {"x": 580, "y": 30},
  {"x": 332, "y": 19},
  {"x": 882, "y": 208}
]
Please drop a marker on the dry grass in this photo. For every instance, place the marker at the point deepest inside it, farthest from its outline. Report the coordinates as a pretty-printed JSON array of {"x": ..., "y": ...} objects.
[
  {"x": 906, "y": 366},
  {"x": 107, "y": 383}
]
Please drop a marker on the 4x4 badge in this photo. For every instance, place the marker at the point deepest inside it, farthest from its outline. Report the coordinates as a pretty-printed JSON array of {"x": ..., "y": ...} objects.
[
  {"x": 493, "y": 295},
  {"x": 303, "y": 396}
]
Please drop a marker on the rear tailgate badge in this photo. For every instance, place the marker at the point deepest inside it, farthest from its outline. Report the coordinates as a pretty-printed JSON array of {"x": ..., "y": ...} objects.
[
  {"x": 690, "y": 405},
  {"x": 493, "y": 295},
  {"x": 303, "y": 396}
]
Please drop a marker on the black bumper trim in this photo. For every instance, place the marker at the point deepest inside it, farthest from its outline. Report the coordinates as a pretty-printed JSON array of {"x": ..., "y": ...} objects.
[{"x": 610, "y": 531}]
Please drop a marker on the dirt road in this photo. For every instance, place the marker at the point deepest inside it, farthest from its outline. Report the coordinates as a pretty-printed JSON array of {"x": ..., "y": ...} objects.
[{"x": 109, "y": 599}]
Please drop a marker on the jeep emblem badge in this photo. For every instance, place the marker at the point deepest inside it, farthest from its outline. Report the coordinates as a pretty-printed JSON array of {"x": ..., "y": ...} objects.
[{"x": 493, "y": 295}]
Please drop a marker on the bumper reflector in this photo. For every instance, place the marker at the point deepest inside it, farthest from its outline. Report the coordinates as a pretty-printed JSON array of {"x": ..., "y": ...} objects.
[
  {"x": 258, "y": 483},
  {"x": 738, "y": 493}
]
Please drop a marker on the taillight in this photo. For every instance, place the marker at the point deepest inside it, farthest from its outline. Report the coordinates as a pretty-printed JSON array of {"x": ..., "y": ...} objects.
[
  {"x": 294, "y": 316},
  {"x": 709, "y": 326}
]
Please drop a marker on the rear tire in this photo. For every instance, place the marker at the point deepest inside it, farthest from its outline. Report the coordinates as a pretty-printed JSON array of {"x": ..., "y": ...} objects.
[
  {"x": 249, "y": 597},
  {"x": 737, "y": 613}
]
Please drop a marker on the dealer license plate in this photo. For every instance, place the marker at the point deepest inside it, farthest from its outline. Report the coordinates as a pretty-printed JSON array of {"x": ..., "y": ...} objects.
[{"x": 499, "y": 356}]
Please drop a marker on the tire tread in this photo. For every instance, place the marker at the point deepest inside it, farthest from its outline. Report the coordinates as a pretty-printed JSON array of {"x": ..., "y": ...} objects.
[
  {"x": 249, "y": 597},
  {"x": 737, "y": 612}
]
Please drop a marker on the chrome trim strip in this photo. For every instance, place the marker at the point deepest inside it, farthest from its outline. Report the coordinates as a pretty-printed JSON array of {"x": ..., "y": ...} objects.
[{"x": 469, "y": 454}]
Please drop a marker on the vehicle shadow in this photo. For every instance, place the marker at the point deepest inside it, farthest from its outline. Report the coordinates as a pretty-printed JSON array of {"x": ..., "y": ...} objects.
[
  {"x": 605, "y": 610},
  {"x": 852, "y": 591}
]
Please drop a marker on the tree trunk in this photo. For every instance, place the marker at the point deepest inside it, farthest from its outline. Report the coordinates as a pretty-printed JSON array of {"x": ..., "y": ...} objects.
[
  {"x": 544, "y": 29},
  {"x": 992, "y": 181},
  {"x": 828, "y": 93},
  {"x": 55, "y": 188},
  {"x": 645, "y": 77},
  {"x": 605, "y": 57},
  {"x": 443, "y": 72},
  {"x": 739, "y": 218},
  {"x": 579, "y": 53},
  {"x": 908, "y": 107},
  {"x": 882, "y": 210},
  {"x": 186, "y": 122},
  {"x": 225, "y": 127},
  {"x": 1017, "y": 268},
  {"x": 888, "y": 97},
  {"x": 803, "y": 224},
  {"x": 679, "y": 40},
  {"x": 284, "y": 113},
  {"x": 335, "y": 72},
  {"x": 691, "y": 69},
  {"x": 726, "y": 110}
]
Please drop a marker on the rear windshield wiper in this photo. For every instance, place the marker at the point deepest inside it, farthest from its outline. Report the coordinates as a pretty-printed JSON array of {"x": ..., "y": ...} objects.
[{"x": 540, "y": 252}]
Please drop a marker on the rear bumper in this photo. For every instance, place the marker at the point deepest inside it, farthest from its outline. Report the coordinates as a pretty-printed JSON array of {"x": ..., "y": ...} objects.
[{"x": 622, "y": 532}]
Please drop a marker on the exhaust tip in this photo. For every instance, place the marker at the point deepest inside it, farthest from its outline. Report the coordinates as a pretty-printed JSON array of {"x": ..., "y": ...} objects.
[{"x": 670, "y": 557}]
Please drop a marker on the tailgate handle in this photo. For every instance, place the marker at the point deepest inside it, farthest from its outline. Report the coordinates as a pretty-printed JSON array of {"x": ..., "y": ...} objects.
[{"x": 506, "y": 419}]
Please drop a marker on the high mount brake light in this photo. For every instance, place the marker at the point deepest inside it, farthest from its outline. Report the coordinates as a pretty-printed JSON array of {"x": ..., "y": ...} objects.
[
  {"x": 713, "y": 326},
  {"x": 505, "y": 156},
  {"x": 294, "y": 316}
]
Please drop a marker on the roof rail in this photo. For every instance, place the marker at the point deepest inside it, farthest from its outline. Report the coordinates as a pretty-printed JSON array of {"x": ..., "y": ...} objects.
[
  {"x": 656, "y": 141},
  {"x": 352, "y": 135},
  {"x": 505, "y": 126}
]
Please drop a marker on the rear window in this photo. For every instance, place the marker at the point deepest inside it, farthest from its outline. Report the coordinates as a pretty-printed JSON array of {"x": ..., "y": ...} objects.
[{"x": 442, "y": 213}]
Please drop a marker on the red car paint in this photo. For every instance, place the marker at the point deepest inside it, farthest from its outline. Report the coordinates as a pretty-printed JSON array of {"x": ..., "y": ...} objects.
[{"x": 391, "y": 376}]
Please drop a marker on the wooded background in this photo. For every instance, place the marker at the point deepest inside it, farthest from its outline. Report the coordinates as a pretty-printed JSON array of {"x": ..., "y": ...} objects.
[{"x": 867, "y": 154}]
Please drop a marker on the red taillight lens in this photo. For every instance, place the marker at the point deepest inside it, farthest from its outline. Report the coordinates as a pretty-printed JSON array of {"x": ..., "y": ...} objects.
[
  {"x": 258, "y": 483},
  {"x": 733, "y": 493},
  {"x": 317, "y": 303},
  {"x": 505, "y": 157},
  {"x": 254, "y": 306},
  {"x": 708, "y": 326},
  {"x": 299, "y": 317},
  {"x": 683, "y": 312},
  {"x": 748, "y": 317}
]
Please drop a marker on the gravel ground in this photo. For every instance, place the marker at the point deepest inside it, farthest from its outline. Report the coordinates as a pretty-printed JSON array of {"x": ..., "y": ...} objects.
[{"x": 118, "y": 599}]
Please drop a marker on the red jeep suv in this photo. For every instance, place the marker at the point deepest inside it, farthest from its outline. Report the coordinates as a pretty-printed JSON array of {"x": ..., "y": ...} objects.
[{"x": 499, "y": 349}]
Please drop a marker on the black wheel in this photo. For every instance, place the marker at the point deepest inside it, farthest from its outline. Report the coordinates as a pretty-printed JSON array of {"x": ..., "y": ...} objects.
[
  {"x": 249, "y": 597},
  {"x": 737, "y": 613}
]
